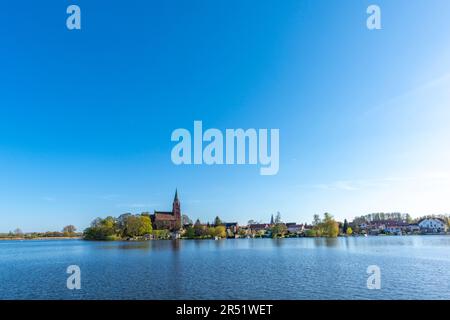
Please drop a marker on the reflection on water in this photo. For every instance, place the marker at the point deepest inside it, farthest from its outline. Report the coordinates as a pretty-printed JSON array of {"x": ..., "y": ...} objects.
[{"x": 414, "y": 267}]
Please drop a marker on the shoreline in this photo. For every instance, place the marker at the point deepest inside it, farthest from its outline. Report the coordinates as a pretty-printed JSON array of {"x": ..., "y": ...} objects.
[
  {"x": 212, "y": 239},
  {"x": 41, "y": 238}
]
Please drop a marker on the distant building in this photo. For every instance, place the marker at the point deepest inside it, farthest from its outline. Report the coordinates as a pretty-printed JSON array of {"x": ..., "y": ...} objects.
[
  {"x": 258, "y": 227},
  {"x": 293, "y": 227},
  {"x": 393, "y": 230},
  {"x": 231, "y": 226},
  {"x": 170, "y": 220},
  {"x": 413, "y": 227},
  {"x": 432, "y": 225}
]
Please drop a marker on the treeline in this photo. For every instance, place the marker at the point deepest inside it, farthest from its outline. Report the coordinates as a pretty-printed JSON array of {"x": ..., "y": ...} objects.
[
  {"x": 125, "y": 226},
  {"x": 397, "y": 217},
  {"x": 382, "y": 216},
  {"x": 202, "y": 231},
  {"x": 67, "y": 232}
]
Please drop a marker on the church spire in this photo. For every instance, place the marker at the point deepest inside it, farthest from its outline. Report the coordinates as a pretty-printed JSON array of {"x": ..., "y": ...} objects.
[{"x": 176, "y": 195}]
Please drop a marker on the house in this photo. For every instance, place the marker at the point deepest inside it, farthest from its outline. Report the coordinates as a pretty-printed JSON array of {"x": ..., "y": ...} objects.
[
  {"x": 231, "y": 226},
  {"x": 432, "y": 225},
  {"x": 293, "y": 227},
  {"x": 413, "y": 228},
  {"x": 258, "y": 227},
  {"x": 393, "y": 229}
]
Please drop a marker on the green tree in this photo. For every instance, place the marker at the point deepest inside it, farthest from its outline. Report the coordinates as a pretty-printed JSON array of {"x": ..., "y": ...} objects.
[
  {"x": 217, "y": 221},
  {"x": 242, "y": 232},
  {"x": 349, "y": 231},
  {"x": 190, "y": 233},
  {"x": 161, "y": 234},
  {"x": 279, "y": 230},
  {"x": 220, "y": 232},
  {"x": 146, "y": 225},
  {"x": 345, "y": 227},
  {"x": 330, "y": 226},
  {"x": 101, "y": 229}
]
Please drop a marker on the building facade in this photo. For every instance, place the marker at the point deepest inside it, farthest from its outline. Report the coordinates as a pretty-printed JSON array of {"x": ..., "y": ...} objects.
[
  {"x": 433, "y": 225},
  {"x": 168, "y": 220}
]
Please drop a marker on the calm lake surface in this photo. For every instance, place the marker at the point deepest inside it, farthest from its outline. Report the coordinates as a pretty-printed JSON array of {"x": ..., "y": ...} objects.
[{"x": 412, "y": 267}]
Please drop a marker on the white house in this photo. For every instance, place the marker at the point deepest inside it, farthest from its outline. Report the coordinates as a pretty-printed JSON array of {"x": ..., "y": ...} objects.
[
  {"x": 432, "y": 225},
  {"x": 393, "y": 230}
]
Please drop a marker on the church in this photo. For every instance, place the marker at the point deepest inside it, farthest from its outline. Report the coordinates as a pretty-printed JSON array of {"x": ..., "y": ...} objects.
[{"x": 169, "y": 220}]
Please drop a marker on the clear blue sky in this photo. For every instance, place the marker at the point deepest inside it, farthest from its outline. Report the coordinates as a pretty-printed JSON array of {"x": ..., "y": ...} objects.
[{"x": 86, "y": 116}]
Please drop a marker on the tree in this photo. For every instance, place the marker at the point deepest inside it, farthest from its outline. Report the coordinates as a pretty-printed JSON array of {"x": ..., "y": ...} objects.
[
  {"x": 212, "y": 231},
  {"x": 279, "y": 230},
  {"x": 316, "y": 220},
  {"x": 217, "y": 221},
  {"x": 408, "y": 218},
  {"x": 349, "y": 231},
  {"x": 146, "y": 225},
  {"x": 344, "y": 228},
  {"x": 122, "y": 223},
  {"x": 190, "y": 233},
  {"x": 18, "y": 232},
  {"x": 102, "y": 229},
  {"x": 330, "y": 226},
  {"x": 69, "y": 230},
  {"x": 185, "y": 220},
  {"x": 200, "y": 230},
  {"x": 278, "y": 217},
  {"x": 242, "y": 232},
  {"x": 220, "y": 232},
  {"x": 327, "y": 227},
  {"x": 138, "y": 226}
]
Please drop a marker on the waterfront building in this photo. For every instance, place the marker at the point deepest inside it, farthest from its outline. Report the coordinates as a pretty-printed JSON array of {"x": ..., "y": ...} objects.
[
  {"x": 432, "y": 225},
  {"x": 169, "y": 220}
]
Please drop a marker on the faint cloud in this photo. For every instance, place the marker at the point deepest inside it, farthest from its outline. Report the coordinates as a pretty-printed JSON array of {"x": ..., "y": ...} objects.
[
  {"x": 48, "y": 199},
  {"x": 360, "y": 184},
  {"x": 409, "y": 94},
  {"x": 136, "y": 205}
]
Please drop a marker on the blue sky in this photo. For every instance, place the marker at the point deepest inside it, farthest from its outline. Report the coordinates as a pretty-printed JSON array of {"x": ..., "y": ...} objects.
[{"x": 86, "y": 116}]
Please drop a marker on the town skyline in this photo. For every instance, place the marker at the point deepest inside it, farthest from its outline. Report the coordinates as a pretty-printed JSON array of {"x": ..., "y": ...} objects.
[
  {"x": 210, "y": 220},
  {"x": 87, "y": 131}
]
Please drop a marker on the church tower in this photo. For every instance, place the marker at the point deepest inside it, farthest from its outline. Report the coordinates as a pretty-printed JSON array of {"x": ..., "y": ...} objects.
[{"x": 176, "y": 210}]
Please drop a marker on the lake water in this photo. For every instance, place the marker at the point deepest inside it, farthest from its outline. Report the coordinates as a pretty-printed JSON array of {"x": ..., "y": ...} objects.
[{"x": 412, "y": 267}]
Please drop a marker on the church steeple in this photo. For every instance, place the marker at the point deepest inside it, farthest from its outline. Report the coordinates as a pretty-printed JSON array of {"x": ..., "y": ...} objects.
[{"x": 176, "y": 211}]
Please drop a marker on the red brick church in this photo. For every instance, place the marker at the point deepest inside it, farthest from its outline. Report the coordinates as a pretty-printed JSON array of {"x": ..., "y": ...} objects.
[{"x": 170, "y": 220}]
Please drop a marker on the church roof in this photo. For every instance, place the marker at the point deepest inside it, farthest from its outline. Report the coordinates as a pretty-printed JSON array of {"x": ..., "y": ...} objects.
[{"x": 164, "y": 215}]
